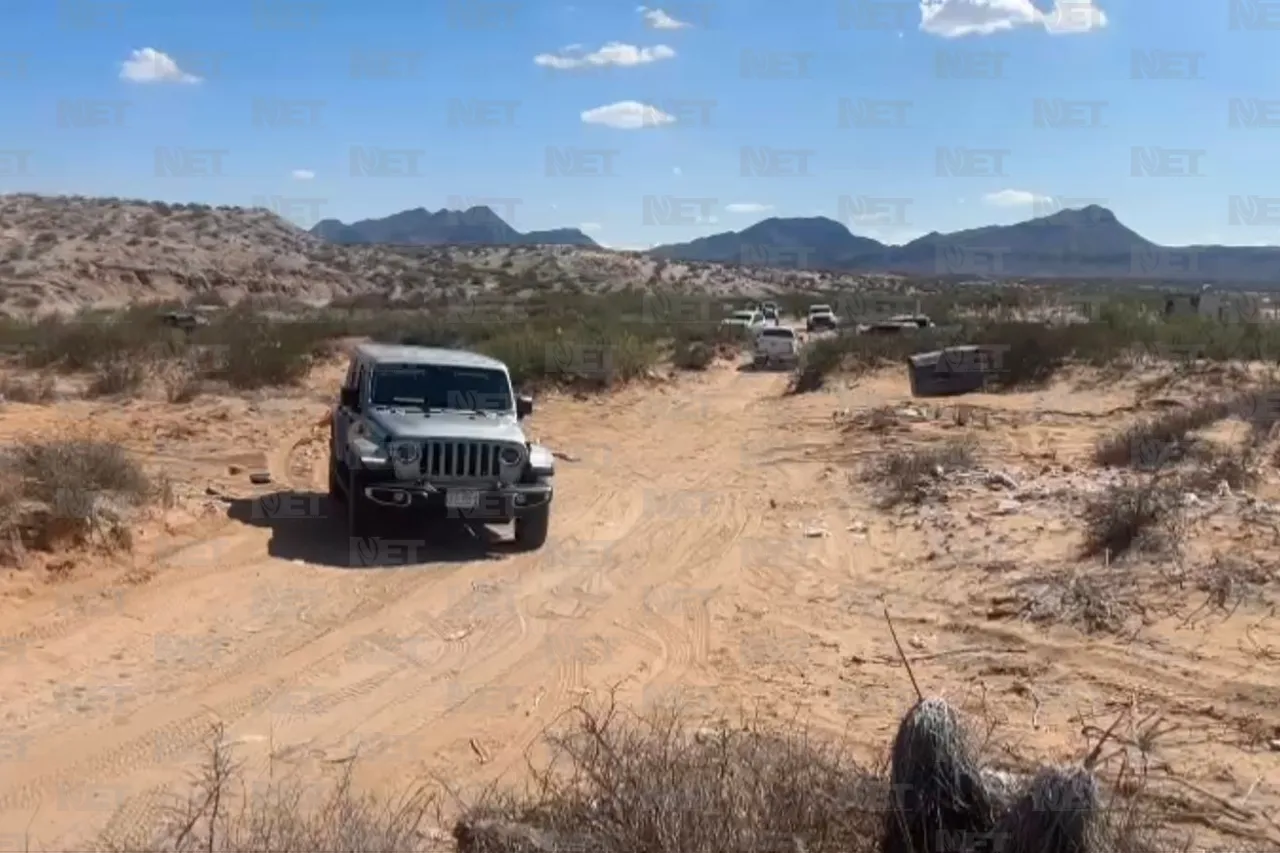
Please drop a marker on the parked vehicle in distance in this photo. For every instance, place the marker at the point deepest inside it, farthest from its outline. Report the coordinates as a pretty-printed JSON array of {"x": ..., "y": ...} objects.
[
  {"x": 776, "y": 346},
  {"x": 748, "y": 320},
  {"x": 821, "y": 317},
  {"x": 428, "y": 432},
  {"x": 770, "y": 312}
]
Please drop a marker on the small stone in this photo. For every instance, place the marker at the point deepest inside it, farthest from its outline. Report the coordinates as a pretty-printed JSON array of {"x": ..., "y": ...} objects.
[
  {"x": 234, "y": 469},
  {"x": 815, "y": 533},
  {"x": 1008, "y": 507},
  {"x": 260, "y": 478}
]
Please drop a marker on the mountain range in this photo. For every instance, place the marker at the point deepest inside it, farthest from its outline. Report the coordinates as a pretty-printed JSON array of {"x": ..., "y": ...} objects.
[
  {"x": 421, "y": 227},
  {"x": 1088, "y": 242}
]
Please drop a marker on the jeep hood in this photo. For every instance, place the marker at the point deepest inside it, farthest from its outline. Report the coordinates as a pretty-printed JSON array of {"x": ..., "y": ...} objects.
[{"x": 447, "y": 426}]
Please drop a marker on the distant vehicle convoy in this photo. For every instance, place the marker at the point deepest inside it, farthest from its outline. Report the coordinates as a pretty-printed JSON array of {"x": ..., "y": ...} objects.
[
  {"x": 749, "y": 320},
  {"x": 821, "y": 317}
]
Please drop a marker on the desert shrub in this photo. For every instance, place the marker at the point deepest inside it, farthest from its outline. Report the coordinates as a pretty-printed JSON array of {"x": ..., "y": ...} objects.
[
  {"x": 693, "y": 355},
  {"x": 40, "y": 389},
  {"x": 1132, "y": 515},
  {"x": 222, "y": 815},
  {"x": 1152, "y": 443},
  {"x": 911, "y": 475},
  {"x": 67, "y": 490},
  {"x": 116, "y": 377},
  {"x": 258, "y": 353},
  {"x": 818, "y": 360}
]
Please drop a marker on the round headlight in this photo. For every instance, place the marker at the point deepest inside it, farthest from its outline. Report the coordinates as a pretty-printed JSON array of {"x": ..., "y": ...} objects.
[
  {"x": 511, "y": 456},
  {"x": 406, "y": 452}
]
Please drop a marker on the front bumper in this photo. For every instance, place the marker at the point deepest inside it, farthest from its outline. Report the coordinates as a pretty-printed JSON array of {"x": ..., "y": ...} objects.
[{"x": 478, "y": 502}]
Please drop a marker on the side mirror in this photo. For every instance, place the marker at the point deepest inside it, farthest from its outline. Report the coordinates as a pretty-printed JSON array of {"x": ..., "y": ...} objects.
[
  {"x": 524, "y": 406},
  {"x": 350, "y": 398}
]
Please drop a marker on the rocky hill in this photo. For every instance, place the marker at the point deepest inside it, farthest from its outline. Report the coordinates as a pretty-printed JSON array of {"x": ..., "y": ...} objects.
[
  {"x": 420, "y": 227},
  {"x": 62, "y": 253},
  {"x": 1088, "y": 243}
]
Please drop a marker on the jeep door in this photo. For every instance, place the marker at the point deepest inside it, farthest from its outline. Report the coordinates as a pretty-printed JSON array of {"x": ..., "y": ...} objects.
[{"x": 342, "y": 416}]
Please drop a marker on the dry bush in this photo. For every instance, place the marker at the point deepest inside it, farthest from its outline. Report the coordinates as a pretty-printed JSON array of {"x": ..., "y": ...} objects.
[
  {"x": 117, "y": 377},
  {"x": 1214, "y": 465},
  {"x": 222, "y": 815},
  {"x": 1126, "y": 516},
  {"x": 66, "y": 491},
  {"x": 622, "y": 783},
  {"x": 693, "y": 355},
  {"x": 41, "y": 389},
  {"x": 912, "y": 475},
  {"x": 1151, "y": 444},
  {"x": 618, "y": 783},
  {"x": 1096, "y": 602}
]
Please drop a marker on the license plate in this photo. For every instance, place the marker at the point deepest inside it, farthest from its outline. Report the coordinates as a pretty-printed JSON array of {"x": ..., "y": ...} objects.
[{"x": 461, "y": 499}]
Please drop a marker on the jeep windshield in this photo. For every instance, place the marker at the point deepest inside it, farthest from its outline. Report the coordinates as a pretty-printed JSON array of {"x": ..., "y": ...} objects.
[{"x": 427, "y": 387}]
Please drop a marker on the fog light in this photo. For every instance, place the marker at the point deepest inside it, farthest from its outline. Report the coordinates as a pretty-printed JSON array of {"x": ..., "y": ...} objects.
[{"x": 521, "y": 500}]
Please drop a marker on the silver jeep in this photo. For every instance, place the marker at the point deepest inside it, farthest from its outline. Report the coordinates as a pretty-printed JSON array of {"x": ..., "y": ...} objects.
[{"x": 437, "y": 432}]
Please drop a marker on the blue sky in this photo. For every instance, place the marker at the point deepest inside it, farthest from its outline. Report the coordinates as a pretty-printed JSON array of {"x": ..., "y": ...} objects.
[{"x": 263, "y": 102}]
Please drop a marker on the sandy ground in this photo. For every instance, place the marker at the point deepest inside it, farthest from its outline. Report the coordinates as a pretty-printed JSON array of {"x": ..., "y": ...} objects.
[{"x": 707, "y": 543}]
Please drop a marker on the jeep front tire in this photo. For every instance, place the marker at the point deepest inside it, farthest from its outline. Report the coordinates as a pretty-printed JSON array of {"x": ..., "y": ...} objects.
[
  {"x": 532, "y": 528},
  {"x": 359, "y": 512}
]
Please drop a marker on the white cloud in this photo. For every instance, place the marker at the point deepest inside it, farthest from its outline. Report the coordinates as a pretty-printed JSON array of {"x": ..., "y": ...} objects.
[
  {"x": 627, "y": 115},
  {"x": 589, "y": 227},
  {"x": 748, "y": 207},
  {"x": 677, "y": 171},
  {"x": 151, "y": 66},
  {"x": 660, "y": 20},
  {"x": 1012, "y": 198},
  {"x": 956, "y": 18},
  {"x": 302, "y": 174},
  {"x": 613, "y": 53}
]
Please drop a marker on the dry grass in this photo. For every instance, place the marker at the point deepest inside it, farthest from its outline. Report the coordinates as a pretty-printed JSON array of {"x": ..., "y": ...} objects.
[
  {"x": 39, "y": 390},
  {"x": 1133, "y": 516},
  {"x": 620, "y": 783},
  {"x": 913, "y": 475},
  {"x": 60, "y": 492},
  {"x": 1153, "y": 443}
]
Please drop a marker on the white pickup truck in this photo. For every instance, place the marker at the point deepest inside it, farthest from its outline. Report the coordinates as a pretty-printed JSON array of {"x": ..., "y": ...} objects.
[{"x": 776, "y": 346}]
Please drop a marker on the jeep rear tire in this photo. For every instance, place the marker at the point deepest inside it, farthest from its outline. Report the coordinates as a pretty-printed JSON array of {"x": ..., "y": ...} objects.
[{"x": 532, "y": 528}]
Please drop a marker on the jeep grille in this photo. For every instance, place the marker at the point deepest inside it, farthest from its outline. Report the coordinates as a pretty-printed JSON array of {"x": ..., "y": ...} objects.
[{"x": 461, "y": 460}]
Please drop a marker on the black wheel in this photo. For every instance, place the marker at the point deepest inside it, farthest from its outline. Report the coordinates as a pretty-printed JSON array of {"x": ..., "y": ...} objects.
[
  {"x": 531, "y": 529},
  {"x": 336, "y": 494},
  {"x": 359, "y": 512}
]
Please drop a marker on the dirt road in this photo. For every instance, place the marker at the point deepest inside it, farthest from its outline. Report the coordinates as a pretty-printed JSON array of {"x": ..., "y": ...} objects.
[{"x": 705, "y": 538}]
